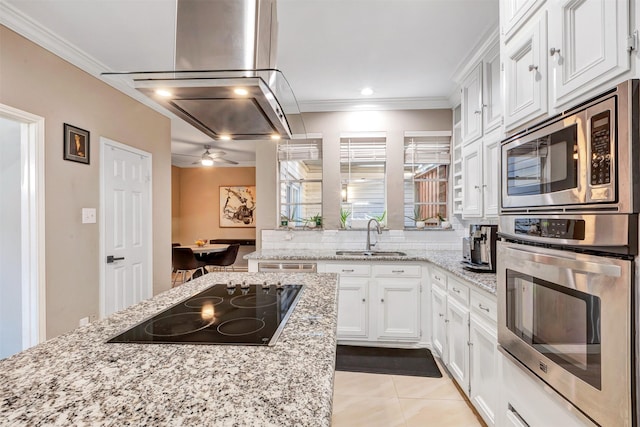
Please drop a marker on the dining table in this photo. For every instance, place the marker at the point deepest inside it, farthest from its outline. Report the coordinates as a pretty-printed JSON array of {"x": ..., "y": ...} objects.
[{"x": 205, "y": 249}]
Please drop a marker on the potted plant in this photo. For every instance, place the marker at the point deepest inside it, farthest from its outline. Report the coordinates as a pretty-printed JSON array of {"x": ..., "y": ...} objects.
[
  {"x": 344, "y": 215},
  {"x": 314, "y": 221},
  {"x": 285, "y": 221},
  {"x": 418, "y": 218},
  {"x": 381, "y": 218}
]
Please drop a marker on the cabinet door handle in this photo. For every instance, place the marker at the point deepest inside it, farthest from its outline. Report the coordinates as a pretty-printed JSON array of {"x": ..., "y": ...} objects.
[
  {"x": 347, "y": 271},
  {"x": 482, "y": 307},
  {"x": 437, "y": 278},
  {"x": 477, "y": 112},
  {"x": 364, "y": 300},
  {"x": 470, "y": 344},
  {"x": 397, "y": 271},
  {"x": 440, "y": 314},
  {"x": 456, "y": 290},
  {"x": 446, "y": 320},
  {"x": 553, "y": 51},
  {"x": 533, "y": 67},
  {"x": 382, "y": 300}
]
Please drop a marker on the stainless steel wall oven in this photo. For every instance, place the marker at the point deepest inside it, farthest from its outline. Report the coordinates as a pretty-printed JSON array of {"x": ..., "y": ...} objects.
[{"x": 566, "y": 263}]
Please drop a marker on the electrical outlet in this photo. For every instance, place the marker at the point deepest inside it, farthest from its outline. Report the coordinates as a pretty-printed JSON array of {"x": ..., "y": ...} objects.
[
  {"x": 88, "y": 215},
  {"x": 84, "y": 321}
]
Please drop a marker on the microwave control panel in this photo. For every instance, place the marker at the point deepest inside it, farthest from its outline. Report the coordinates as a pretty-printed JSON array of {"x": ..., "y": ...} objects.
[
  {"x": 551, "y": 227},
  {"x": 601, "y": 148}
]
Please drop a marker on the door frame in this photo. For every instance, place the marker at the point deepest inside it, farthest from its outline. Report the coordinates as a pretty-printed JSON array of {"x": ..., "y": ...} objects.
[
  {"x": 104, "y": 144},
  {"x": 33, "y": 267}
]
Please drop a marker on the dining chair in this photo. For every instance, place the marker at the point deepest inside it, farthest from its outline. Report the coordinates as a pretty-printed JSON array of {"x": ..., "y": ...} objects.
[
  {"x": 222, "y": 260},
  {"x": 184, "y": 260}
]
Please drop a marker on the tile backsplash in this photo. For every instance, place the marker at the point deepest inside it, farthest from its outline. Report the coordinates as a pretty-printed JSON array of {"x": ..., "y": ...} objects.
[{"x": 389, "y": 240}]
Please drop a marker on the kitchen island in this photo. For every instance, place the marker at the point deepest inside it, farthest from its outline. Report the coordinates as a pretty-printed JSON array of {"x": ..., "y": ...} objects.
[{"x": 79, "y": 379}]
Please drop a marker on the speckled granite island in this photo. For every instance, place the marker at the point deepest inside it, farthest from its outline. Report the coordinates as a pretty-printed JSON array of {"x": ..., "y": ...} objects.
[
  {"x": 446, "y": 259},
  {"x": 77, "y": 379}
]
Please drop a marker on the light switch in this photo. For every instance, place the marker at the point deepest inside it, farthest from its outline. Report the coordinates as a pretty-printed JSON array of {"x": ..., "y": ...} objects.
[{"x": 88, "y": 215}]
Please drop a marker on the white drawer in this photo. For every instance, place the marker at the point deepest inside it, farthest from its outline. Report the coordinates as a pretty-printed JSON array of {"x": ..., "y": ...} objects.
[
  {"x": 484, "y": 305},
  {"x": 459, "y": 291},
  {"x": 349, "y": 269},
  {"x": 397, "y": 270},
  {"x": 439, "y": 278}
]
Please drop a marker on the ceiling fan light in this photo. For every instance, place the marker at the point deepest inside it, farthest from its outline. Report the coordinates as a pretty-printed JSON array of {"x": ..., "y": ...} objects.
[
  {"x": 206, "y": 161},
  {"x": 163, "y": 92}
]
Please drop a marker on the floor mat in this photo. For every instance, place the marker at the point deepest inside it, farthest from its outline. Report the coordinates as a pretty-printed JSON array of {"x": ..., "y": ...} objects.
[{"x": 394, "y": 361}]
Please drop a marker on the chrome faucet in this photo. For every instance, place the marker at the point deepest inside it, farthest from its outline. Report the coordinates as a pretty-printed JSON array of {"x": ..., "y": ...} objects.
[{"x": 378, "y": 229}]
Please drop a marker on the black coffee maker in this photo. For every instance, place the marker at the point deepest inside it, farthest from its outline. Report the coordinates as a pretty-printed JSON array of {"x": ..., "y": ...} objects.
[{"x": 479, "y": 249}]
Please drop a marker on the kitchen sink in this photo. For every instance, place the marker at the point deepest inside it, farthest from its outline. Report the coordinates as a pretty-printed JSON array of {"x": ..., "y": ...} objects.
[{"x": 371, "y": 253}]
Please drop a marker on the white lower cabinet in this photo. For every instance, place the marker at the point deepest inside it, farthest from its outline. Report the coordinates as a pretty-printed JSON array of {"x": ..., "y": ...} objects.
[
  {"x": 353, "y": 309},
  {"x": 439, "y": 323},
  {"x": 458, "y": 324},
  {"x": 378, "y": 302},
  {"x": 483, "y": 367},
  {"x": 399, "y": 310},
  {"x": 464, "y": 336}
]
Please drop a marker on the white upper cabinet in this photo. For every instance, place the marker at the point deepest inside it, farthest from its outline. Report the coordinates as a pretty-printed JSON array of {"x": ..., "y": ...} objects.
[
  {"x": 513, "y": 13},
  {"x": 525, "y": 73},
  {"x": 471, "y": 101},
  {"x": 587, "y": 45},
  {"x": 557, "y": 53},
  {"x": 491, "y": 90},
  {"x": 491, "y": 173}
]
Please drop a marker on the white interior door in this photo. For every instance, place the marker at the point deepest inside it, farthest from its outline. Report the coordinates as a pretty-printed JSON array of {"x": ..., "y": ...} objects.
[
  {"x": 126, "y": 213},
  {"x": 22, "y": 283}
]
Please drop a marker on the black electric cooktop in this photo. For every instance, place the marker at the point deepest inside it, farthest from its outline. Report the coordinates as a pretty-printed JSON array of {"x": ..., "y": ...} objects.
[{"x": 233, "y": 314}]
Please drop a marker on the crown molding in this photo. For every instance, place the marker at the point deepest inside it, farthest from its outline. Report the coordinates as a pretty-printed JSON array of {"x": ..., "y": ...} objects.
[
  {"x": 491, "y": 37},
  {"x": 374, "y": 104},
  {"x": 18, "y": 22}
]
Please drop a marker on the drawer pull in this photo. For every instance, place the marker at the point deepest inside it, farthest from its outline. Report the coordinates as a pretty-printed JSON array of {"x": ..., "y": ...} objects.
[
  {"x": 456, "y": 290},
  {"x": 397, "y": 271},
  {"x": 482, "y": 307},
  {"x": 382, "y": 300},
  {"x": 440, "y": 314},
  {"x": 364, "y": 300},
  {"x": 347, "y": 271}
]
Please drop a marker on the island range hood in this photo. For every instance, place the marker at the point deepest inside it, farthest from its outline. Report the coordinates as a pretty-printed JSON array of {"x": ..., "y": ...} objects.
[{"x": 225, "y": 82}]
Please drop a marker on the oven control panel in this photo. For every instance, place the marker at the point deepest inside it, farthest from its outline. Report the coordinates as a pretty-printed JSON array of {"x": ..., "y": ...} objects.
[
  {"x": 601, "y": 148},
  {"x": 551, "y": 227}
]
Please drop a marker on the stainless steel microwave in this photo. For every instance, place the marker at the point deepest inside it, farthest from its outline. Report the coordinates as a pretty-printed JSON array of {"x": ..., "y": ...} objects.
[{"x": 580, "y": 160}]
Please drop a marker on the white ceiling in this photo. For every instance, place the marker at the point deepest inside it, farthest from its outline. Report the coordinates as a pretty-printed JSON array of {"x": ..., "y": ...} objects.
[{"x": 407, "y": 51}]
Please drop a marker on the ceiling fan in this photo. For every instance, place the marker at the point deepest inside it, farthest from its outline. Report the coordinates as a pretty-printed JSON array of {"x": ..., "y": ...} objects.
[{"x": 209, "y": 158}]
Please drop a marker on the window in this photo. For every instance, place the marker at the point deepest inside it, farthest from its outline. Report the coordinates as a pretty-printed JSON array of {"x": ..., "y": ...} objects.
[
  {"x": 362, "y": 173},
  {"x": 426, "y": 173},
  {"x": 300, "y": 179}
]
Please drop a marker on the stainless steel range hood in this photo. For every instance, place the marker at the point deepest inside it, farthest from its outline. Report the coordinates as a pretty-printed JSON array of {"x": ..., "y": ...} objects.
[{"x": 225, "y": 82}]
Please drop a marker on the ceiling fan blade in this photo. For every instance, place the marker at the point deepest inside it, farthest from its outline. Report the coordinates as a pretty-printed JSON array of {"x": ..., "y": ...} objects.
[{"x": 220, "y": 159}]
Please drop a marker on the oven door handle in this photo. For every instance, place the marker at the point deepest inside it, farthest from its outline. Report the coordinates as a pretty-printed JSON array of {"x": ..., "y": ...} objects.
[{"x": 571, "y": 263}]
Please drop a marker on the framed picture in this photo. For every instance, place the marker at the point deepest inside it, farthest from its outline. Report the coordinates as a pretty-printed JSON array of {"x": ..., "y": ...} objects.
[
  {"x": 76, "y": 144},
  {"x": 238, "y": 206}
]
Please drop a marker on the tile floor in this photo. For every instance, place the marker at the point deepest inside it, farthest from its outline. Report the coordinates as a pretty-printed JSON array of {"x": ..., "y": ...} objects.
[{"x": 393, "y": 400}]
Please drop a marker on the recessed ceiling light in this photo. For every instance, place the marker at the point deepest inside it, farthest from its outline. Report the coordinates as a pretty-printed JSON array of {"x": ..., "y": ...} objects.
[
  {"x": 366, "y": 91},
  {"x": 241, "y": 91},
  {"x": 275, "y": 136},
  {"x": 225, "y": 137},
  {"x": 163, "y": 92}
]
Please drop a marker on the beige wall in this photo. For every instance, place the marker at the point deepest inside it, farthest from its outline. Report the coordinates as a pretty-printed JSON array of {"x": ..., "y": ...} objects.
[
  {"x": 36, "y": 81},
  {"x": 331, "y": 125},
  {"x": 175, "y": 204},
  {"x": 199, "y": 202}
]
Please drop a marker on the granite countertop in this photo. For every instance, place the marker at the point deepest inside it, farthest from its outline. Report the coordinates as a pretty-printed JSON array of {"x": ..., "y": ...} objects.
[
  {"x": 78, "y": 379},
  {"x": 446, "y": 259}
]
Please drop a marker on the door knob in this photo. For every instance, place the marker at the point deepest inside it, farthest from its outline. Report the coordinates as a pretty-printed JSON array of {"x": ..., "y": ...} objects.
[
  {"x": 111, "y": 258},
  {"x": 553, "y": 51}
]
